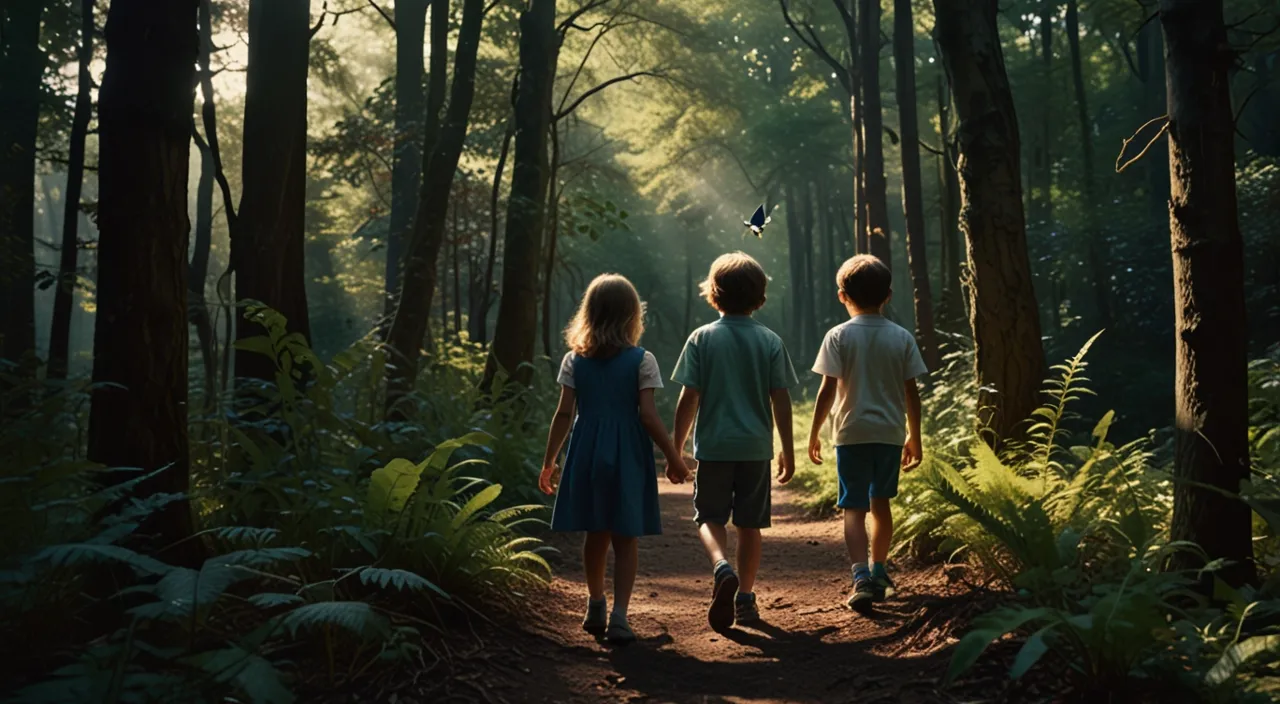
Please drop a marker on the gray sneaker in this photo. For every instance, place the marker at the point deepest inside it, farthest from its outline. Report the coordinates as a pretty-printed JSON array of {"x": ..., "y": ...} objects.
[
  {"x": 863, "y": 595},
  {"x": 721, "y": 613},
  {"x": 744, "y": 609},
  {"x": 597, "y": 617}
]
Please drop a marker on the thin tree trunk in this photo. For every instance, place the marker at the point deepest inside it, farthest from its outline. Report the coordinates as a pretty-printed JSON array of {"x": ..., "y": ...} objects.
[
  {"x": 64, "y": 293},
  {"x": 807, "y": 265},
  {"x": 486, "y": 301},
  {"x": 873, "y": 134},
  {"x": 198, "y": 272},
  {"x": 795, "y": 260},
  {"x": 406, "y": 168},
  {"x": 21, "y": 68},
  {"x": 950, "y": 210},
  {"x": 420, "y": 273},
  {"x": 1151, "y": 70},
  {"x": 1041, "y": 201},
  {"x": 138, "y": 409},
  {"x": 553, "y": 232},
  {"x": 267, "y": 241},
  {"x": 912, "y": 189},
  {"x": 1211, "y": 340},
  {"x": 516, "y": 330},
  {"x": 1003, "y": 313},
  {"x": 457, "y": 282},
  {"x": 1098, "y": 249}
]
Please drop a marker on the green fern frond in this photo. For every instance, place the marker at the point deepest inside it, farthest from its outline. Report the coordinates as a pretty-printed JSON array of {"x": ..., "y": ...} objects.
[
  {"x": 356, "y": 617},
  {"x": 77, "y": 554},
  {"x": 400, "y": 580}
]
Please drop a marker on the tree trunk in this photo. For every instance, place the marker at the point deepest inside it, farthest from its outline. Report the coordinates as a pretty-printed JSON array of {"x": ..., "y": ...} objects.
[
  {"x": 1211, "y": 390},
  {"x": 1151, "y": 70},
  {"x": 810, "y": 323},
  {"x": 21, "y": 68},
  {"x": 411, "y": 105},
  {"x": 138, "y": 411},
  {"x": 516, "y": 330},
  {"x": 795, "y": 260},
  {"x": 198, "y": 271},
  {"x": 1098, "y": 250},
  {"x": 1003, "y": 314},
  {"x": 418, "y": 284},
  {"x": 912, "y": 188},
  {"x": 268, "y": 239},
  {"x": 486, "y": 300},
  {"x": 64, "y": 293},
  {"x": 873, "y": 133},
  {"x": 553, "y": 232},
  {"x": 952, "y": 291},
  {"x": 1041, "y": 201}
]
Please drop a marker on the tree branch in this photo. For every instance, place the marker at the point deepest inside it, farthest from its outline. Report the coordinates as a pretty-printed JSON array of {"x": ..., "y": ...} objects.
[
  {"x": 815, "y": 45},
  {"x": 390, "y": 20},
  {"x": 1124, "y": 147},
  {"x": 612, "y": 81},
  {"x": 569, "y": 22}
]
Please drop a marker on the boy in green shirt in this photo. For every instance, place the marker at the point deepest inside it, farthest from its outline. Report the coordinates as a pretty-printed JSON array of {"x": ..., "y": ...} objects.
[{"x": 736, "y": 374}]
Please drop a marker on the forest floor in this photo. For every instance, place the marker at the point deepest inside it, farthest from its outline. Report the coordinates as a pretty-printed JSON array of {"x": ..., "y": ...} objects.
[{"x": 809, "y": 648}]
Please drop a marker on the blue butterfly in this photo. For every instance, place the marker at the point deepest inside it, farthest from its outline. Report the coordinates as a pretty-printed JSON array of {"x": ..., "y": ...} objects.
[{"x": 758, "y": 221}]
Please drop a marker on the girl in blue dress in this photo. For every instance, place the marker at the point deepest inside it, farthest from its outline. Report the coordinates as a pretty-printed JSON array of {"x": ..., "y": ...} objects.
[{"x": 609, "y": 486}]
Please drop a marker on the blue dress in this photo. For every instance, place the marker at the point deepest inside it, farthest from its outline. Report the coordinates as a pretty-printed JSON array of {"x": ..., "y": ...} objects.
[{"x": 609, "y": 481}]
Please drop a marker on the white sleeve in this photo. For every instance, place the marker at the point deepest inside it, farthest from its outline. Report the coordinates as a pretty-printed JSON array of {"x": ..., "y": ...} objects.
[
  {"x": 828, "y": 362},
  {"x": 565, "y": 378},
  {"x": 650, "y": 376}
]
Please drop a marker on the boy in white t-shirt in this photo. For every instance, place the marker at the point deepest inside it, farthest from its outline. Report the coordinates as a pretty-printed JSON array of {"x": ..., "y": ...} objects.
[{"x": 869, "y": 367}]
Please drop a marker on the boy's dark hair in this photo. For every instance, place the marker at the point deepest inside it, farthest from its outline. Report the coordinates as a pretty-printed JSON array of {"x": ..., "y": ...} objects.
[
  {"x": 735, "y": 284},
  {"x": 865, "y": 280}
]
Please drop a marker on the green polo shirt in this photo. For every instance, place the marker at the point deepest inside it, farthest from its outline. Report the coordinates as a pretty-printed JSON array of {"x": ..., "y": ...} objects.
[{"x": 734, "y": 363}]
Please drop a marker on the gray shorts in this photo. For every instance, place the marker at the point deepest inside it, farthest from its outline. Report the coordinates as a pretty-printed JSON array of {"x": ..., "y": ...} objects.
[{"x": 740, "y": 489}]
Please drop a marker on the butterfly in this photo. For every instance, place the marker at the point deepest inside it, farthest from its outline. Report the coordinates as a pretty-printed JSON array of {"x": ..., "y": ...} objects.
[{"x": 758, "y": 221}]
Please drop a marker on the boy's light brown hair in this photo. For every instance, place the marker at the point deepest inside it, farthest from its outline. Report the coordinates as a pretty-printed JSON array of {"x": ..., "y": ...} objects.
[
  {"x": 609, "y": 319},
  {"x": 865, "y": 281},
  {"x": 735, "y": 285}
]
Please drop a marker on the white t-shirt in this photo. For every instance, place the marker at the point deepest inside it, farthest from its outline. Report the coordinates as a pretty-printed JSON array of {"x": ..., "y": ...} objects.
[
  {"x": 872, "y": 358},
  {"x": 650, "y": 376}
]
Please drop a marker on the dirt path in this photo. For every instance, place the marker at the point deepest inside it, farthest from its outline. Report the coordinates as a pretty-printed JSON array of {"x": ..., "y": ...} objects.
[{"x": 810, "y": 648}]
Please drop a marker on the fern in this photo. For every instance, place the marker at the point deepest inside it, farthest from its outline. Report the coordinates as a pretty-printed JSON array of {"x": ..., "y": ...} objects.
[
  {"x": 1046, "y": 429},
  {"x": 400, "y": 580},
  {"x": 356, "y": 617}
]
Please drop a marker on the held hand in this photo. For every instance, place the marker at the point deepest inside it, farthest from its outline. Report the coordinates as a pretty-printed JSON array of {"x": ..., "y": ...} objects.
[
  {"x": 912, "y": 454},
  {"x": 546, "y": 479},
  {"x": 677, "y": 472},
  {"x": 815, "y": 449},
  {"x": 786, "y": 467}
]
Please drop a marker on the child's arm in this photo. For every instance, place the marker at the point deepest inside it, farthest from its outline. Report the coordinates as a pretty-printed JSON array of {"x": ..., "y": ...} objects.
[
  {"x": 652, "y": 422},
  {"x": 913, "y": 451},
  {"x": 821, "y": 409},
  {"x": 781, "y": 399},
  {"x": 560, "y": 424},
  {"x": 686, "y": 412}
]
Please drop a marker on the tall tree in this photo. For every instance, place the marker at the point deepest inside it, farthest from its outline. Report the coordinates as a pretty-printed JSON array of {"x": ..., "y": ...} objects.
[
  {"x": 1211, "y": 390},
  {"x": 912, "y": 189},
  {"x": 421, "y": 270},
  {"x": 1151, "y": 72},
  {"x": 949, "y": 209},
  {"x": 411, "y": 105},
  {"x": 268, "y": 237},
  {"x": 64, "y": 292},
  {"x": 1003, "y": 313},
  {"x": 1041, "y": 178},
  {"x": 517, "y": 323},
  {"x": 875, "y": 184},
  {"x": 1098, "y": 251},
  {"x": 21, "y": 67},
  {"x": 138, "y": 411}
]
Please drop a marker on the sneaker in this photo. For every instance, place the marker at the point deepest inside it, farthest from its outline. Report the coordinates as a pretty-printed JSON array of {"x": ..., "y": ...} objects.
[
  {"x": 881, "y": 586},
  {"x": 619, "y": 631},
  {"x": 744, "y": 609},
  {"x": 597, "y": 617},
  {"x": 863, "y": 595},
  {"x": 720, "y": 615}
]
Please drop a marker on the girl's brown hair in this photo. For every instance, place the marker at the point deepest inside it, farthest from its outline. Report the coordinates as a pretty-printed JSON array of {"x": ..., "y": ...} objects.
[{"x": 609, "y": 319}]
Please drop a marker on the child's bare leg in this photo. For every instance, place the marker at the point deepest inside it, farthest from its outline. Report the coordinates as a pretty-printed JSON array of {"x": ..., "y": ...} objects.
[
  {"x": 881, "y": 530},
  {"x": 855, "y": 535},
  {"x": 748, "y": 558},
  {"x": 595, "y": 554},
  {"x": 714, "y": 539},
  {"x": 626, "y": 560}
]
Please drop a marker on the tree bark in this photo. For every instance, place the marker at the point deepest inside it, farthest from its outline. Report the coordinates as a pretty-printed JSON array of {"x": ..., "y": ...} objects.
[
  {"x": 268, "y": 238},
  {"x": 516, "y": 329},
  {"x": 64, "y": 293},
  {"x": 138, "y": 410},
  {"x": 1003, "y": 314},
  {"x": 411, "y": 102},
  {"x": 21, "y": 68},
  {"x": 1098, "y": 250},
  {"x": 1211, "y": 389},
  {"x": 873, "y": 134},
  {"x": 952, "y": 292},
  {"x": 912, "y": 188},
  {"x": 413, "y": 312}
]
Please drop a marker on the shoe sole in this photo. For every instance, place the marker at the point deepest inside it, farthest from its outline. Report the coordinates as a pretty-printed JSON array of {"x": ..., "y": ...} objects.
[
  {"x": 720, "y": 615},
  {"x": 619, "y": 637},
  {"x": 863, "y": 605}
]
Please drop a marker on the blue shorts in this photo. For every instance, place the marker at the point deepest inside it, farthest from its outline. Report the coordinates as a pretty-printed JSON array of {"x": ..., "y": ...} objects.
[{"x": 867, "y": 472}]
